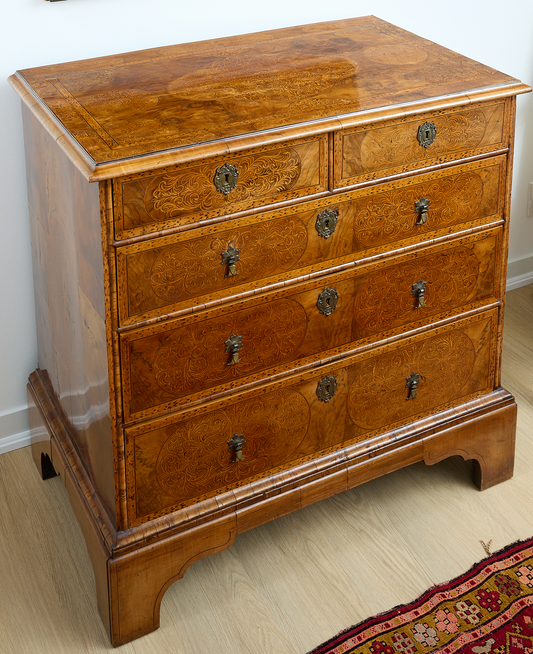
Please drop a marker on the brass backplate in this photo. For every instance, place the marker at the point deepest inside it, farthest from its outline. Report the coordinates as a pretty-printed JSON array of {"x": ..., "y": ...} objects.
[
  {"x": 226, "y": 178},
  {"x": 327, "y": 387},
  {"x": 426, "y": 134}
]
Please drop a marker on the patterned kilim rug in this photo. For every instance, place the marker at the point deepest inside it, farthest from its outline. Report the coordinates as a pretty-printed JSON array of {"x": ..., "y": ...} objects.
[{"x": 488, "y": 610}]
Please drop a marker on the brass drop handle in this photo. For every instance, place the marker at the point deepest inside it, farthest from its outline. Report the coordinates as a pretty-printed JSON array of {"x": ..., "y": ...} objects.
[
  {"x": 233, "y": 345},
  {"x": 419, "y": 289},
  {"x": 412, "y": 383},
  {"x": 422, "y": 208},
  {"x": 235, "y": 447},
  {"x": 230, "y": 258}
]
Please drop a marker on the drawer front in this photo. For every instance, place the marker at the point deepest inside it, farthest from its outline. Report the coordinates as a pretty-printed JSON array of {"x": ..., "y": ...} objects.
[
  {"x": 197, "y": 192},
  {"x": 169, "y": 274},
  {"x": 371, "y": 152},
  {"x": 179, "y": 461},
  {"x": 185, "y": 358}
]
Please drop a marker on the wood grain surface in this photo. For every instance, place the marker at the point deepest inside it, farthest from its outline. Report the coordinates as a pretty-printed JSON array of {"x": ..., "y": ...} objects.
[
  {"x": 287, "y": 330},
  {"x": 279, "y": 288},
  {"x": 371, "y": 152},
  {"x": 300, "y": 579},
  {"x": 170, "y": 273},
  {"x": 188, "y": 195},
  {"x": 124, "y": 106}
]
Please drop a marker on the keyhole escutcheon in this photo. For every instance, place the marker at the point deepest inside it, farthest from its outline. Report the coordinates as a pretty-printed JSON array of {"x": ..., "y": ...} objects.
[
  {"x": 327, "y": 301},
  {"x": 226, "y": 178},
  {"x": 326, "y": 388},
  {"x": 426, "y": 134}
]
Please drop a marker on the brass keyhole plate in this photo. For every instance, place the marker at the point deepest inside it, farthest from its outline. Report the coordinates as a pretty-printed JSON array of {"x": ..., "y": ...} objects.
[
  {"x": 226, "y": 178},
  {"x": 327, "y": 301},
  {"x": 326, "y": 222},
  {"x": 426, "y": 134},
  {"x": 326, "y": 389}
]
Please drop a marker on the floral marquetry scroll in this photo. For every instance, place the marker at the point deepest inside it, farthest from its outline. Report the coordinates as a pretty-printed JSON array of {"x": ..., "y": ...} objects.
[
  {"x": 193, "y": 268},
  {"x": 182, "y": 193},
  {"x": 193, "y": 457},
  {"x": 386, "y": 299},
  {"x": 187, "y": 194},
  {"x": 393, "y": 214},
  {"x": 449, "y": 365},
  {"x": 395, "y": 148},
  {"x": 194, "y": 357}
]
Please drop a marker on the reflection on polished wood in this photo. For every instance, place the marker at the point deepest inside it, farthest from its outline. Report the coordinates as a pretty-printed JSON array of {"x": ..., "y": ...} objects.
[
  {"x": 184, "y": 95},
  {"x": 210, "y": 356},
  {"x": 299, "y": 580}
]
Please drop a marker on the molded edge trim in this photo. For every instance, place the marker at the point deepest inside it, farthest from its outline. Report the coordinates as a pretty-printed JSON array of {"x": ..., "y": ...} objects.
[{"x": 156, "y": 160}]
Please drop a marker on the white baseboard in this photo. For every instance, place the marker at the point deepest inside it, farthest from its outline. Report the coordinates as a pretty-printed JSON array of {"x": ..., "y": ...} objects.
[
  {"x": 519, "y": 273},
  {"x": 14, "y": 430},
  {"x": 10, "y": 443},
  {"x": 519, "y": 280}
]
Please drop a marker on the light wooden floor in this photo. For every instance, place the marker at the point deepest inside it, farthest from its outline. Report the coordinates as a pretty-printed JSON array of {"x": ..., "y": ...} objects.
[{"x": 289, "y": 585}]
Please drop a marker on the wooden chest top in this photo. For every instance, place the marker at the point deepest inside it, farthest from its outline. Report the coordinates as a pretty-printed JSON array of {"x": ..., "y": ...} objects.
[{"x": 193, "y": 100}]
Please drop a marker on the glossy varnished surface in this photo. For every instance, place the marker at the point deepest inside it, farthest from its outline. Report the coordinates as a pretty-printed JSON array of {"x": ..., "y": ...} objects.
[
  {"x": 153, "y": 100},
  {"x": 316, "y": 117},
  {"x": 166, "y": 363},
  {"x": 182, "y": 461},
  {"x": 298, "y": 580},
  {"x": 69, "y": 301},
  {"x": 170, "y": 274}
]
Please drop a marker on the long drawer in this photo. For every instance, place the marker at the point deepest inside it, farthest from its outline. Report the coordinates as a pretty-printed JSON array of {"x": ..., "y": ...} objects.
[
  {"x": 173, "y": 273},
  {"x": 166, "y": 363},
  {"x": 177, "y": 461}
]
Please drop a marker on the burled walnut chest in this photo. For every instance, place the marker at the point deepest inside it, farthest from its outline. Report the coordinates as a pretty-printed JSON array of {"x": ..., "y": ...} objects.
[{"x": 267, "y": 269}]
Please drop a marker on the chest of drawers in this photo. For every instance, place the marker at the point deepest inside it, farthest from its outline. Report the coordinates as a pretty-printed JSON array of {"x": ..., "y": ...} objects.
[{"x": 267, "y": 269}]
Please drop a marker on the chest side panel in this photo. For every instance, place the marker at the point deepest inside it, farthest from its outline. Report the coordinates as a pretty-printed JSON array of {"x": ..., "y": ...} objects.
[{"x": 70, "y": 301}]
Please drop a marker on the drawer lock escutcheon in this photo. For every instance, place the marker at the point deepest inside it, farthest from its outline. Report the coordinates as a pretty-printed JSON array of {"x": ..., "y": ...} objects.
[
  {"x": 419, "y": 289},
  {"x": 230, "y": 258},
  {"x": 327, "y": 301},
  {"x": 412, "y": 383},
  {"x": 326, "y": 389},
  {"x": 235, "y": 447},
  {"x": 233, "y": 345},
  {"x": 426, "y": 134},
  {"x": 326, "y": 222},
  {"x": 422, "y": 208},
  {"x": 226, "y": 178}
]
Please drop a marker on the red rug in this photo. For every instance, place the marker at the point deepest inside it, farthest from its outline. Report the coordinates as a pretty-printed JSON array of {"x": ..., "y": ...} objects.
[{"x": 488, "y": 610}]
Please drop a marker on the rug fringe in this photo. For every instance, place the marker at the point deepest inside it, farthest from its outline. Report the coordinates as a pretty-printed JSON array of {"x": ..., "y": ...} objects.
[{"x": 321, "y": 649}]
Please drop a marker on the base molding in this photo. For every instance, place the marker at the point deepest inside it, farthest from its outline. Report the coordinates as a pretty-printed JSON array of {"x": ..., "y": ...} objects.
[
  {"x": 14, "y": 430},
  {"x": 134, "y": 569}
]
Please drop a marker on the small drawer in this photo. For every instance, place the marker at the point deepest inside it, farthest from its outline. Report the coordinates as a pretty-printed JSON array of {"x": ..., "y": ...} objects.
[
  {"x": 170, "y": 364},
  {"x": 201, "y": 191},
  {"x": 169, "y": 274},
  {"x": 373, "y": 151},
  {"x": 178, "y": 461}
]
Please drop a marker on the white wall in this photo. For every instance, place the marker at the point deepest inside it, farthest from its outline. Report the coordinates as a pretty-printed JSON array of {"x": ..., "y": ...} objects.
[{"x": 36, "y": 32}]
